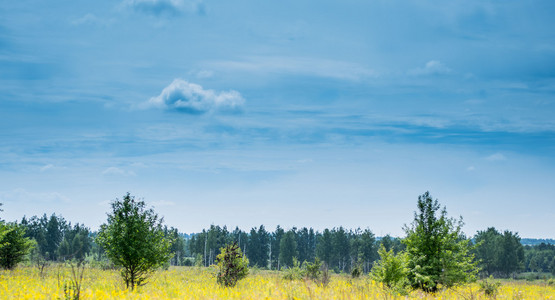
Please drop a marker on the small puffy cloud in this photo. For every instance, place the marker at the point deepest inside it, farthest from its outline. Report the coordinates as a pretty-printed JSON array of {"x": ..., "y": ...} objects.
[
  {"x": 165, "y": 7},
  {"x": 496, "y": 157},
  {"x": 192, "y": 98},
  {"x": 117, "y": 171},
  {"x": 432, "y": 67}
]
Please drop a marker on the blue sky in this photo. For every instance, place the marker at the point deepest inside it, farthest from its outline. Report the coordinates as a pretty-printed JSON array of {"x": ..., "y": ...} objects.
[{"x": 298, "y": 113}]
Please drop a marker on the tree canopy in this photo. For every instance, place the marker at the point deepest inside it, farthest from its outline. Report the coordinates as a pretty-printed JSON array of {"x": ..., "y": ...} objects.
[
  {"x": 438, "y": 254},
  {"x": 134, "y": 239}
]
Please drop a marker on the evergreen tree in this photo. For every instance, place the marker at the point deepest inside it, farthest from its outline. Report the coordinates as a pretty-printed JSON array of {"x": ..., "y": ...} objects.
[
  {"x": 232, "y": 265},
  {"x": 276, "y": 241},
  {"x": 324, "y": 248},
  {"x": 287, "y": 249},
  {"x": 367, "y": 249},
  {"x": 14, "y": 246},
  {"x": 437, "y": 252},
  {"x": 341, "y": 248}
]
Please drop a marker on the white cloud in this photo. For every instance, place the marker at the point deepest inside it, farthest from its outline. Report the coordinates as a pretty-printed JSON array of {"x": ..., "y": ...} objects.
[
  {"x": 117, "y": 171},
  {"x": 192, "y": 98},
  {"x": 496, "y": 157},
  {"x": 470, "y": 168},
  {"x": 433, "y": 67}
]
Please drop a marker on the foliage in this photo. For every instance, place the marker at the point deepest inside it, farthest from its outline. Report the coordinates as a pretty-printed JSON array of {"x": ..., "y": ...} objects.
[
  {"x": 195, "y": 283},
  {"x": 512, "y": 254},
  {"x": 490, "y": 288},
  {"x": 294, "y": 271},
  {"x": 38, "y": 260},
  {"x": 288, "y": 249},
  {"x": 134, "y": 239},
  {"x": 313, "y": 270},
  {"x": 57, "y": 240},
  {"x": 14, "y": 246},
  {"x": 391, "y": 270},
  {"x": 437, "y": 252},
  {"x": 356, "y": 271},
  {"x": 72, "y": 288},
  {"x": 232, "y": 265}
]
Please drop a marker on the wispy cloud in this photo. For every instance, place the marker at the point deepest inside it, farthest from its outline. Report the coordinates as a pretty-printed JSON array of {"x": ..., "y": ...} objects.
[
  {"x": 166, "y": 7},
  {"x": 118, "y": 171},
  {"x": 297, "y": 66},
  {"x": 22, "y": 195},
  {"x": 46, "y": 167},
  {"x": 192, "y": 98},
  {"x": 91, "y": 19},
  {"x": 432, "y": 67},
  {"x": 496, "y": 157}
]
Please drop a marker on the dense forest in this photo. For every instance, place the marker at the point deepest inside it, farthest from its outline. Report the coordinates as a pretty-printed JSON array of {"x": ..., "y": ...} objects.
[{"x": 500, "y": 254}]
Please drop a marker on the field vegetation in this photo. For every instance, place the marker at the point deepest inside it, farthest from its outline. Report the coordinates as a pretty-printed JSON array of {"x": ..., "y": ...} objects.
[{"x": 201, "y": 283}]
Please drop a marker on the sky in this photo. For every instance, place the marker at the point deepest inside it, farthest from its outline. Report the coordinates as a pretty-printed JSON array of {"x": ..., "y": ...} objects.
[{"x": 298, "y": 113}]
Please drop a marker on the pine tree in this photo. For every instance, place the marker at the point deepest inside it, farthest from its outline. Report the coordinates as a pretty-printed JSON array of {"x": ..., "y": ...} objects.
[{"x": 437, "y": 252}]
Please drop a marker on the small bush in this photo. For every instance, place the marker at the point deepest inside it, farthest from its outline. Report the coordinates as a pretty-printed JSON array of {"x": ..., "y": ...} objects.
[
  {"x": 312, "y": 270},
  {"x": 295, "y": 272},
  {"x": 489, "y": 288},
  {"x": 391, "y": 270},
  {"x": 356, "y": 271},
  {"x": 232, "y": 265}
]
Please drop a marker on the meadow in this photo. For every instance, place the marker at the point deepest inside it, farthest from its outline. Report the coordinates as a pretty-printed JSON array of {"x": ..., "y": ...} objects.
[{"x": 200, "y": 283}]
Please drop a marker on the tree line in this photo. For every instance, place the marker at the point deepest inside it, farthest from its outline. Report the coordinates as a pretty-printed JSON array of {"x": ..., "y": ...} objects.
[{"x": 490, "y": 252}]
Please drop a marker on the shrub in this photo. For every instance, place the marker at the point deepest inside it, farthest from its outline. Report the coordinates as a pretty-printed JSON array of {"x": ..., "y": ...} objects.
[
  {"x": 295, "y": 272},
  {"x": 232, "y": 265},
  {"x": 357, "y": 270},
  {"x": 391, "y": 270},
  {"x": 489, "y": 288},
  {"x": 312, "y": 270}
]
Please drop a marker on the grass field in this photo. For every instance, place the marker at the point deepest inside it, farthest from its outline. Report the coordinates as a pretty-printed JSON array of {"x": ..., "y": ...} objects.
[{"x": 199, "y": 283}]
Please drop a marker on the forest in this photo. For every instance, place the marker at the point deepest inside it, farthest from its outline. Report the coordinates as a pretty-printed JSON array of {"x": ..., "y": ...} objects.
[{"x": 498, "y": 253}]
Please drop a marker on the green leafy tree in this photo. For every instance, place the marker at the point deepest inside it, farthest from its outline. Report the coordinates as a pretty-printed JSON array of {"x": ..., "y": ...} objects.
[
  {"x": 438, "y": 254},
  {"x": 232, "y": 265},
  {"x": 488, "y": 248},
  {"x": 391, "y": 270},
  {"x": 133, "y": 238},
  {"x": 14, "y": 246},
  {"x": 511, "y": 258}
]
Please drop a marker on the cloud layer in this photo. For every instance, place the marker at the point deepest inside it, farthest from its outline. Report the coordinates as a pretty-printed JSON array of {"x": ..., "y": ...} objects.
[{"x": 192, "y": 98}]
